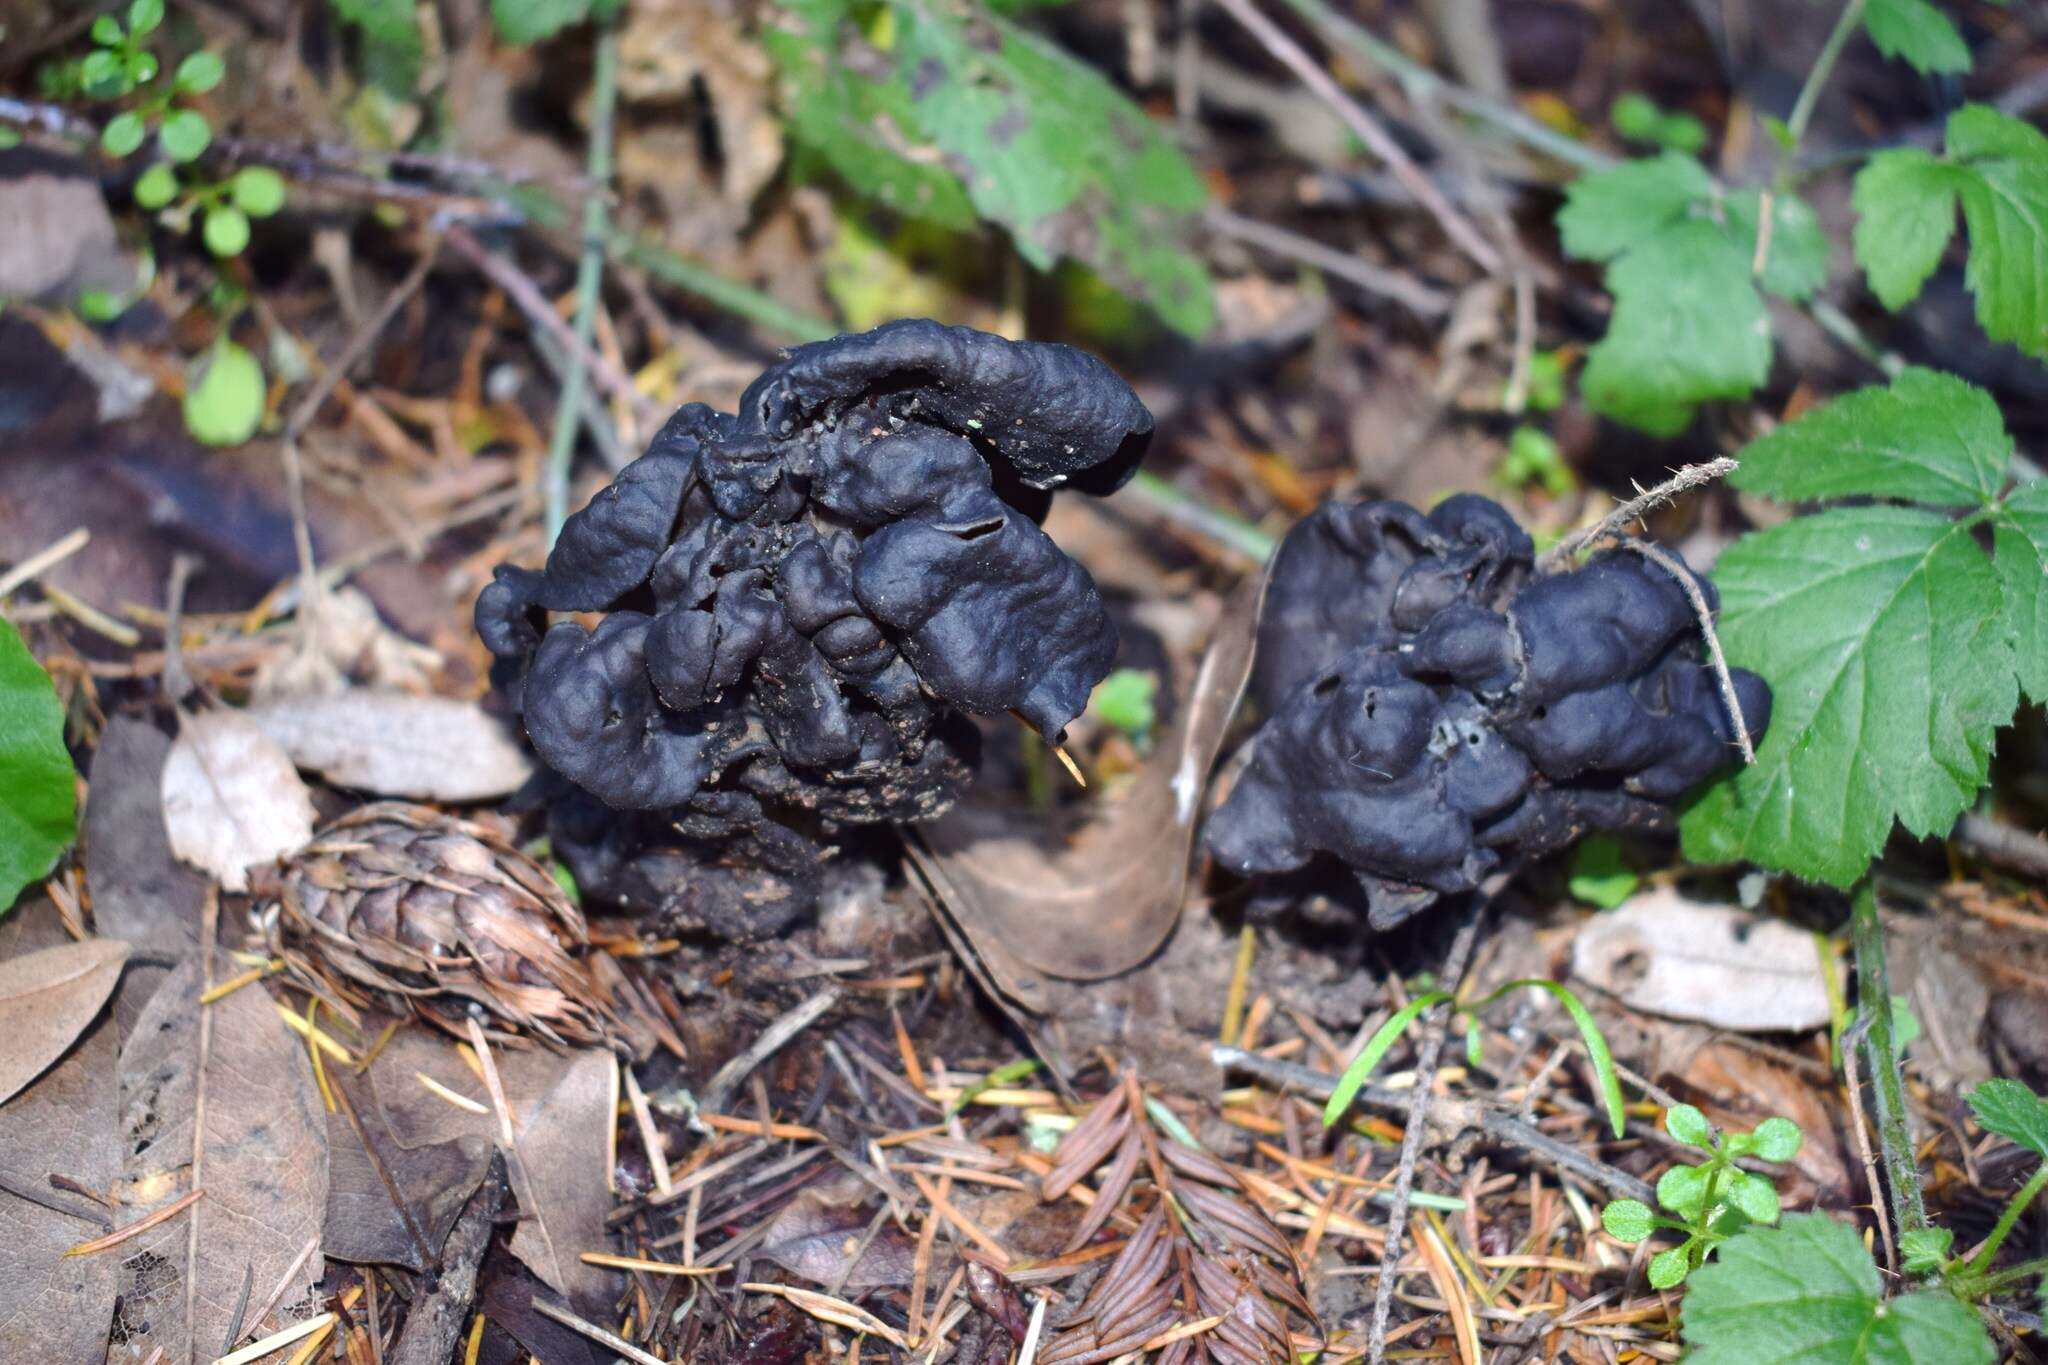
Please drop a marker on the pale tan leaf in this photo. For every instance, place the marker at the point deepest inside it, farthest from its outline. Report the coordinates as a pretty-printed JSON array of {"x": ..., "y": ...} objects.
[
  {"x": 232, "y": 797},
  {"x": 1665, "y": 954},
  {"x": 397, "y": 744},
  {"x": 46, "y": 1000}
]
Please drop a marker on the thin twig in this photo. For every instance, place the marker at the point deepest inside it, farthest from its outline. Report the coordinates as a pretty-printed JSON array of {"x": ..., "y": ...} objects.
[
  {"x": 1852, "y": 1039},
  {"x": 1419, "y": 298},
  {"x": 1717, "y": 662},
  {"x": 309, "y": 406},
  {"x": 2001, "y": 845},
  {"x": 1435, "y": 1024},
  {"x": 589, "y": 274},
  {"x": 209, "y": 940},
  {"x": 43, "y": 560},
  {"x": 1368, "y": 130},
  {"x": 1615, "y": 523},
  {"x": 720, "y": 1090},
  {"x": 609, "y": 1340}
]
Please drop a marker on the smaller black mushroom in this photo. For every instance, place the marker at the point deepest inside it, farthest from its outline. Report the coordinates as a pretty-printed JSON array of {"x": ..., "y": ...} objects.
[{"x": 1433, "y": 713}]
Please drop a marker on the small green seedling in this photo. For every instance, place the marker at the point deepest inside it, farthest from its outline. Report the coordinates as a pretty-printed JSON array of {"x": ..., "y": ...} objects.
[
  {"x": 1638, "y": 118},
  {"x": 1713, "y": 1200},
  {"x": 1361, "y": 1068},
  {"x": 1533, "y": 458},
  {"x": 1599, "y": 877},
  {"x": 2017, "y": 1114},
  {"x": 1124, "y": 699}
]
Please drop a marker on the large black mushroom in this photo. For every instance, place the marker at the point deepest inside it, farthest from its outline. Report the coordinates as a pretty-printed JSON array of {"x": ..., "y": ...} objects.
[
  {"x": 1434, "y": 712},
  {"x": 800, "y": 601}
]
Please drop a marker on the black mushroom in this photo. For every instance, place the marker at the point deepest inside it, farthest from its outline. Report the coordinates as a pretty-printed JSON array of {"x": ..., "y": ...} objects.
[
  {"x": 1434, "y": 711},
  {"x": 799, "y": 601}
]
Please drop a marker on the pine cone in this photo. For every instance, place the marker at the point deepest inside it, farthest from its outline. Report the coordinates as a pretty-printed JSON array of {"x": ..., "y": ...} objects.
[{"x": 415, "y": 904}]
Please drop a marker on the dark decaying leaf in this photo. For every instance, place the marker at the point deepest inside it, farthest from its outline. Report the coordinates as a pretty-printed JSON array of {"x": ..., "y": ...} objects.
[
  {"x": 64, "y": 1123},
  {"x": 816, "y": 1234},
  {"x": 47, "y": 997},
  {"x": 263, "y": 1164},
  {"x": 435, "y": 1322},
  {"x": 369, "y": 1172},
  {"x": 140, "y": 893},
  {"x": 1095, "y": 895}
]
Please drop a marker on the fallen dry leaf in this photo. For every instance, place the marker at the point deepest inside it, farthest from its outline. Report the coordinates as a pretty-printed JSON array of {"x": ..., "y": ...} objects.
[
  {"x": 262, "y": 1164},
  {"x": 1085, "y": 903},
  {"x": 64, "y": 1123},
  {"x": 817, "y": 1231},
  {"x": 397, "y": 744},
  {"x": 231, "y": 797},
  {"x": 436, "y": 1180},
  {"x": 1662, "y": 953},
  {"x": 46, "y": 999},
  {"x": 140, "y": 892}
]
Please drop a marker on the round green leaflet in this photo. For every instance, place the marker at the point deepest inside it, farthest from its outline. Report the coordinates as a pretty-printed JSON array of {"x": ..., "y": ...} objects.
[{"x": 37, "y": 785}]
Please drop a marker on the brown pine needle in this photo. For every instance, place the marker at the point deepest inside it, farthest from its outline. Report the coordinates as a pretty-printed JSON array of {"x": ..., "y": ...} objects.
[
  {"x": 1066, "y": 759},
  {"x": 1181, "y": 1333},
  {"x": 120, "y": 1235},
  {"x": 943, "y": 1206},
  {"x": 276, "y": 1341},
  {"x": 795, "y": 1132},
  {"x": 317, "y": 1037},
  {"x": 838, "y": 1312},
  {"x": 611, "y": 1262},
  {"x": 1240, "y": 976},
  {"x": 456, "y": 1098}
]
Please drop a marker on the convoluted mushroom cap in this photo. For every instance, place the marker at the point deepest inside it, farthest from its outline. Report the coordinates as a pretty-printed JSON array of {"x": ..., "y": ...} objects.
[
  {"x": 1434, "y": 714},
  {"x": 800, "y": 595}
]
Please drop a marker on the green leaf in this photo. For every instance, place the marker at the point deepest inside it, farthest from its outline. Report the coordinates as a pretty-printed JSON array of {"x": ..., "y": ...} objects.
[
  {"x": 1627, "y": 1220},
  {"x": 199, "y": 73},
  {"x": 1125, "y": 699},
  {"x": 101, "y": 305},
  {"x": 2005, "y": 206},
  {"x": 9, "y": 137},
  {"x": 1905, "y": 1023},
  {"x": 1589, "y": 1033},
  {"x": 388, "y": 22},
  {"x": 1598, "y": 876},
  {"x": 533, "y": 21},
  {"x": 123, "y": 134},
  {"x": 1923, "y": 1251},
  {"x": 226, "y": 230},
  {"x": 101, "y": 76},
  {"x": 1360, "y": 1071},
  {"x": 1608, "y": 212},
  {"x": 156, "y": 186},
  {"x": 37, "y": 785},
  {"x": 1880, "y": 631},
  {"x": 1929, "y": 438},
  {"x": 1905, "y": 202},
  {"x": 1798, "y": 260},
  {"x": 1688, "y": 326},
  {"x": 1668, "y": 1269},
  {"x": 258, "y": 191},
  {"x": 1777, "y": 1139},
  {"x": 2019, "y": 540},
  {"x": 184, "y": 135},
  {"x": 1807, "y": 1291},
  {"x": 144, "y": 16},
  {"x": 1683, "y": 1190},
  {"x": 1915, "y": 32},
  {"x": 106, "y": 31},
  {"x": 945, "y": 113},
  {"x": 1689, "y": 1126},
  {"x": 224, "y": 396},
  {"x": 2015, "y": 1113},
  {"x": 1754, "y": 1195}
]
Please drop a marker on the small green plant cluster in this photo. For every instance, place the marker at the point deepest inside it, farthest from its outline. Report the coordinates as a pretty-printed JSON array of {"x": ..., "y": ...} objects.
[
  {"x": 37, "y": 785},
  {"x": 1710, "y": 1202},
  {"x": 1638, "y": 118}
]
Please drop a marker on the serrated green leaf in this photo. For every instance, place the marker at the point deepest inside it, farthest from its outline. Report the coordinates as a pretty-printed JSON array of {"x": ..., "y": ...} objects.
[
  {"x": 2005, "y": 205},
  {"x": 185, "y": 135},
  {"x": 1683, "y": 1190},
  {"x": 123, "y": 134},
  {"x": 1808, "y": 1291},
  {"x": 224, "y": 396},
  {"x": 2015, "y": 1113},
  {"x": 1598, "y": 876},
  {"x": 258, "y": 191},
  {"x": 1777, "y": 1139},
  {"x": 533, "y": 21},
  {"x": 1929, "y": 438},
  {"x": 1922, "y": 1251},
  {"x": 1627, "y": 1220},
  {"x": 1688, "y": 326},
  {"x": 1608, "y": 212},
  {"x": 1915, "y": 32},
  {"x": 37, "y": 785},
  {"x": 1880, "y": 631},
  {"x": 1689, "y": 1125},
  {"x": 1905, "y": 202},
  {"x": 1668, "y": 1269},
  {"x": 2020, "y": 545},
  {"x": 1798, "y": 261}
]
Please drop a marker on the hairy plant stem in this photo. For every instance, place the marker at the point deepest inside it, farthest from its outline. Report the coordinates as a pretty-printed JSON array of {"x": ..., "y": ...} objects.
[
  {"x": 1823, "y": 66},
  {"x": 1874, "y": 1005},
  {"x": 589, "y": 273},
  {"x": 1981, "y": 1262},
  {"x": 1974, "y": 1286}
]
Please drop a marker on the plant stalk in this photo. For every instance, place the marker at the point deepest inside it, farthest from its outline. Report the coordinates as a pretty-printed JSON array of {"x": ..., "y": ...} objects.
[
  {"x": 1981, "y": 1262},
  {"x": 589, "y": 274},
  {"x": 1874, "y": 1005},
  {"x": 1845, "y": 28}
]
